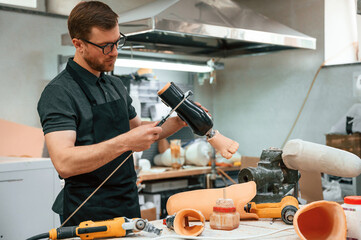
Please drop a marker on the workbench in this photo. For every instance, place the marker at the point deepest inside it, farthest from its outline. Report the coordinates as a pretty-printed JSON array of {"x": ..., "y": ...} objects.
[
  {"x": 246, "y": 228},
  {"x": 158, "y": 173},
  {"x": 159, "y": 183}
]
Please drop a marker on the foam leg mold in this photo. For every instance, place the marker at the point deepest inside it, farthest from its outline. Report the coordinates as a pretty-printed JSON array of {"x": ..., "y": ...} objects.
[
  {"x": 313, "y": 157},
  {"x": 204, "y": 199}
]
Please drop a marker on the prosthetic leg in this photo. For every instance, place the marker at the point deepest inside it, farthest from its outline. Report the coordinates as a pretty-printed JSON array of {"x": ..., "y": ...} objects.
[
  {"x": 197, "y": 119},
  {"x": 241, "y": 194}
]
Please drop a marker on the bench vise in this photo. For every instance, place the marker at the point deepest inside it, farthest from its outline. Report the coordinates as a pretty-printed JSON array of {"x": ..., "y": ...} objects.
[{"x": 273, "y": 179}]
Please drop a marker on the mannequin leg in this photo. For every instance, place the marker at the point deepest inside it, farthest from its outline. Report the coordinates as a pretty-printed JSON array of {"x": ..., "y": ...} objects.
[
  {"x": 227, "y": 147},
  {"x": 313, "y": 157}
]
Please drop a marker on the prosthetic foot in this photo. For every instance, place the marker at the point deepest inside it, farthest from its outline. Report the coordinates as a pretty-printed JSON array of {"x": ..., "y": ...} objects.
[
  {"x": 203, "y": 200},
  {"x": 227, "y": 147}
]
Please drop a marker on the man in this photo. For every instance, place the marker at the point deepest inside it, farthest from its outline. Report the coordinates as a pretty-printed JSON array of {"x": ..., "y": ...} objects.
[{"x": 89, "y": 122}]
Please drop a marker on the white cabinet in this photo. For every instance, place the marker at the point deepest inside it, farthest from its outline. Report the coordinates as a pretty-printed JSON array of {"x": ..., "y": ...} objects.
[{"x": 28, "y": 188}]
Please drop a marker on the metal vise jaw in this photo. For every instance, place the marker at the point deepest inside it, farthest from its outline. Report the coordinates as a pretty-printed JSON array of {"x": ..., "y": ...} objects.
[{"x": 273, "y": 179}]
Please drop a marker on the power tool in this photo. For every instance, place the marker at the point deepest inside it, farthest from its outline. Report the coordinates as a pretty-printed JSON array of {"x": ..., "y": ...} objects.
[
  {"x": 117, "y": 227},
  {"x": 286, "y": 209}
]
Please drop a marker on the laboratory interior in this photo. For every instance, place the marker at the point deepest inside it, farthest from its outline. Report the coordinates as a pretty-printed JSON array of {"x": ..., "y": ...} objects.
[{"x": 180, "y": 119}]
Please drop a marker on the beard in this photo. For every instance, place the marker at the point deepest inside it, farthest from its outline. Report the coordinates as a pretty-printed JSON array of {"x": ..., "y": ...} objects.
[{"x": 102, "y": 65}]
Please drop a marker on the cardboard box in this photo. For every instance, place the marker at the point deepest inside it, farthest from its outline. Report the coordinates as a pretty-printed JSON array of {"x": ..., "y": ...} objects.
[
  {"x": 249, "y": 162},
  {"x": 350, "y": 143},
  {"x": 18, "y": 140},
  {"x": 156, "y": 199},
  {"x": 149, "y": 214}
]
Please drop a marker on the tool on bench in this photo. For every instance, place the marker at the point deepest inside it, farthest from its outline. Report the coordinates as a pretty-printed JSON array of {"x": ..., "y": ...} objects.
[
  {"x": 286, "y": 209},
  {"x": 274, "y": 180},
  {"x": 180, "y": 222},
  {"x": 117, "y": 227}
]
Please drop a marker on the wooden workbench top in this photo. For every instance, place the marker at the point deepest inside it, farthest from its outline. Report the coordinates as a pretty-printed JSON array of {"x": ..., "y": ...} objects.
[{"x": 157, "y": 173}]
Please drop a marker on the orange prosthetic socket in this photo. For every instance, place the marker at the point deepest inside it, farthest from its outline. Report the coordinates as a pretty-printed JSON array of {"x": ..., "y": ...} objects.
[
  {"x": 204, "y": 200},
  {"x": 227, "y": 147},
  {"x": 320, "y": 220},
  {"x": 181, "y": 222}
]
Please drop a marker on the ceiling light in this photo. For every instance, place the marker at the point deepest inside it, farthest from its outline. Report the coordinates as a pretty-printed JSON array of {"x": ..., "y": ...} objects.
[
  {"x": 21, "y": 3},
  {"x": 158, "y": 64}
]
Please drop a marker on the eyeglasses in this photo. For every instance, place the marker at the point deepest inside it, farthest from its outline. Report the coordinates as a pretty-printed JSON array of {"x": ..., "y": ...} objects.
[{"x": 107, "y": 48}]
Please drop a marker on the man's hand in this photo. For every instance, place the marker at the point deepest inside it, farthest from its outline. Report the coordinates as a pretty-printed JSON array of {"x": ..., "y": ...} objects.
[
  {"x": 142, "y": 137},
  {"x": 205, "y": 109},
  {"x": 180, "y": 122}
]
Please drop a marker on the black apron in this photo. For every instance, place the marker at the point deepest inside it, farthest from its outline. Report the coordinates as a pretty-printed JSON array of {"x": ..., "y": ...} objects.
[{"x": 118, "y": 197}]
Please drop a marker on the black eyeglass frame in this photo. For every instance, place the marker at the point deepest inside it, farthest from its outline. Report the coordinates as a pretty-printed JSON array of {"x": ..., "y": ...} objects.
[{"x": 119, "y": 46}]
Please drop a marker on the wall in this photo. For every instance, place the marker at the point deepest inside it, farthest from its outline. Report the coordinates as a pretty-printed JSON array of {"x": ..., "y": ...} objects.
[
  {"x": 256, "y": 98},
  {"x": 29, "y": 45}
]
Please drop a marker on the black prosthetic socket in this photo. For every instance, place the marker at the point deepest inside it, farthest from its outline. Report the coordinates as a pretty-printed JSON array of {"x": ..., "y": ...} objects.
[{"x": 194, "y": 116}]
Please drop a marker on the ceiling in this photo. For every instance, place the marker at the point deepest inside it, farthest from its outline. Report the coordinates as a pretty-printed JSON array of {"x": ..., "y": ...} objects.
[
  {"x": 119, "y": 6},
  {"x": 211, "y": 29}
]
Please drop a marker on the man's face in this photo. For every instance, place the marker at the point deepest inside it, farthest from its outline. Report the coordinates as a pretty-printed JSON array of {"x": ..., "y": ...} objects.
[{"x": 94, "y": 56}]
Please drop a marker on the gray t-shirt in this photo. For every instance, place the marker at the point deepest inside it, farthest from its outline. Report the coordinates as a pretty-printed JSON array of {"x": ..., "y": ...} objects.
[{"x": 64, "y": 106}]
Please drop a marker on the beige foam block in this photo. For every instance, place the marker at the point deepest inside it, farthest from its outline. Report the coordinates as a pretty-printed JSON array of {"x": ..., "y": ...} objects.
[
  {"x": 313, "y": 157},
  {"x": 20, "y": 140}
]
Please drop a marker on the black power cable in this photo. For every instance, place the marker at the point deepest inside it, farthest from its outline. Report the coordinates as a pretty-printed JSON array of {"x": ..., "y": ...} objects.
[{"x": 39, "y": 236}]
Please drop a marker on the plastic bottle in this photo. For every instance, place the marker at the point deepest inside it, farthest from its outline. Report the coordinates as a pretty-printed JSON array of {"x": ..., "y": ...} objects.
[
  {"x": 224, "y": 216},
  {"x": 352, "y": 209}
]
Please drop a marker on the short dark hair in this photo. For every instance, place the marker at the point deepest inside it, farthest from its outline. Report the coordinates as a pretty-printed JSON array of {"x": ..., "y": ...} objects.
[{"x": 86, "y": 15}]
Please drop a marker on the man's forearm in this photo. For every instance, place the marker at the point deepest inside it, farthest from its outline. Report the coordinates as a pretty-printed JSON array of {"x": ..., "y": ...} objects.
[
  {"x": 171, "y": 126},
  {"x": 75, "y": 160},
  {"x": 70, "y": 160}
]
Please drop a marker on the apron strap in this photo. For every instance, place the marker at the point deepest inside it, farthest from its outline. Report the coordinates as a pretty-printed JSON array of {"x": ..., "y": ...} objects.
[
  {"x": 82, "y": 85},
  {"x": 119, "y": 93}
]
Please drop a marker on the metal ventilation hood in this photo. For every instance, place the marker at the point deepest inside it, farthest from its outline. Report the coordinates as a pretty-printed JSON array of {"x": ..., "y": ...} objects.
[{"x": 206, "y": 28}]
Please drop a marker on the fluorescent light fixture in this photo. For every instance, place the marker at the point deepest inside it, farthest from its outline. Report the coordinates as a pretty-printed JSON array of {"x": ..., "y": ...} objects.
[
  {"x": 21, "y": 3},
  {"x": 154, "y": 64}
]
